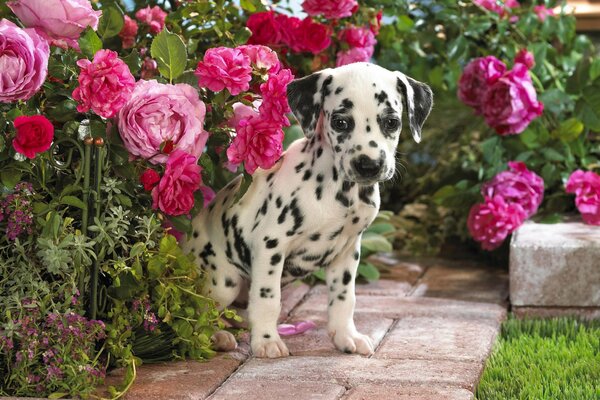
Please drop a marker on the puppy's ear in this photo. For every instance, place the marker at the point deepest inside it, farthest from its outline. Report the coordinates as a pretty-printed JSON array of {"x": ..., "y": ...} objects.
[
  {"x": 418, "y": 99},
  {"x": 306, "y": 96}
]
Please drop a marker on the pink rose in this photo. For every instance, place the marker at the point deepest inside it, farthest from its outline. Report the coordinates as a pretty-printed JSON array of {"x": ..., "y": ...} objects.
[
  {"x": 511, "y": 103},
  {"x": 543, "y": 12},
  {"x": 518, "y": 185},
  {"x": 586, "y": 186},
  {"x": 149, "y": 179},
  {"x": 222, "y": 68},
  {"x": 477, "y": 76},
  {"x": 497, "y": 6},
  {"x": 493, "y": 220},
  {"x": 358, "y": 37},
  {"x": 34, "y": 135},
  {"x": 105, "y": 84},
  {"x": 174, "y": 194},
  {"x": 258, "y": 143},
  {"x": 149, "y": 68},
  {"x": 312, "y": 36},
  {"x": 61, "y": 22},
  {"x": 287, "y": 28},
  {"x": 275, "y": 104},
  {"x": 526, "y": 58},
  {"x": 262, "y": 57},
  {"x": 153, "y": 17},
  {"x": 356, "y": 54},
  {"x": 23, "y": 62},
  {"x": 330, "y": 9},
  {"x": 240, "y": 112},
  {"x": 264, "y": 28},
  {"x": 157, "y": 113},
  {"x": 128, "y": 33}
]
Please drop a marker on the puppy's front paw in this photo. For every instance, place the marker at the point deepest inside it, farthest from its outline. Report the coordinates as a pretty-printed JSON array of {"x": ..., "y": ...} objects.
[
  {"x": 353, "y": 342},
  {"x": 269, "y": 347},
  {"x": 224, "y": 341}
]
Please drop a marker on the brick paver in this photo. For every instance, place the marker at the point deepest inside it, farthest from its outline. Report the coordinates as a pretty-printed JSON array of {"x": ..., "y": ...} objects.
[{"x": 433, "y": 322}]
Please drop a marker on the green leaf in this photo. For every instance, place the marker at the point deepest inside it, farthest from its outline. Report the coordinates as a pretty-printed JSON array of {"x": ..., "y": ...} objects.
[
  {"x": 368, "y": 271},
  {"x": 595, "y": 69},
  {"x": 73, "y": 201},
  {"x": 404, "y": 23},
  {"x": 57, "y": 395},
  {"x": 375, "y": 243},
  {"x": 248, "y": 5},
  {"x": 10, "y": 178},
  {"x": 169, "y": 52},
  {"x": 319, "y": 274},
  {"x": 137, "y": 249},
  {"x": 247, "y": 180},
  {"x": 551, "y": 219},
  {"x": 111, "y": 21},
  {"x": 381, "y": 228},
  {"x": 133, "y": 61},
  {"x": 182, "y": 223},
  {"x": 89, "y": 43},
  {"x": 569, "y": 130}
]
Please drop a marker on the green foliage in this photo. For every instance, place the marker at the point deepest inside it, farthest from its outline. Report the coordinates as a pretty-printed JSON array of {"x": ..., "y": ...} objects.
[
  {"x": 544, "y": 359},
  {"x": 169, "y": 52}
]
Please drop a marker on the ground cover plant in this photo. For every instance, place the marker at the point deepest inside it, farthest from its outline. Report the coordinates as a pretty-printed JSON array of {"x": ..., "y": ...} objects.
[{"x": 544, "y": 359}]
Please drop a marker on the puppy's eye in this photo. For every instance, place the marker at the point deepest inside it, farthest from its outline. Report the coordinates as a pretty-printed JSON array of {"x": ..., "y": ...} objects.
[
  {"x": 340, "y": 124},
  {"x": 391, "y": 124}
]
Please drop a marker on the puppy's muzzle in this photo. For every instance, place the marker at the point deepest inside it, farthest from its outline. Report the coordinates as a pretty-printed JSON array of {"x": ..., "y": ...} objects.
[{"x": 367, "y": 168}]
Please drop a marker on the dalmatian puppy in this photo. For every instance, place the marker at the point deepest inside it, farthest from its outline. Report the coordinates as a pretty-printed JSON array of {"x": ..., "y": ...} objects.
[{"x": 311, "y": 208}]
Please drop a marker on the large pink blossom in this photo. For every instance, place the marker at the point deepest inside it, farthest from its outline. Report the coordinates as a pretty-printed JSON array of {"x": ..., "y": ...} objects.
[
  {"x": 275, "y": 103},
  {"x": 262, "y": 57},
  {"x": 543, "y": 12},
  {"x": 128, "y": 32},
  {"x": 476, "y": 78},
  {"x": 222, "y": 68},
  {"x": 525, "y": 57},
  {"x": 358, "y": 37},
  {"x": 353, "y": 55},
  {"x": 311, "y": 36},
  {"x": 517, "y": 185},
  {"x": 499, "y": 7},
  {"x": 61, "y": 22},
  {"x": 586, "y": 187},
  {"x": 258, "y": 143},
  {"x": 287, "y": 28},
  {"x": 153, "y": 17},
  {"x": 493, "y": 220},
  {"x": 330, "y": 9},
  {"x": 265, "y": 30},
  {"x": 105, "y": 84},
  {"x": 174, "y": 194},
  {"x": 511, "y": 103},
  {"x": 23, "y": 62},
  {"x": 158, "y": 113}
]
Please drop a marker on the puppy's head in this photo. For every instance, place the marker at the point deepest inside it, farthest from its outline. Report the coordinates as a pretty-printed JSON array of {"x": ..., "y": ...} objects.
[{"x": 357, "y": 110}]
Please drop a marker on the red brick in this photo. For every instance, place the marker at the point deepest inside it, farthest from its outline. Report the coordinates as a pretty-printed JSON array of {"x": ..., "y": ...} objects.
[
  {"x": 316, "y": 342},
  {"x": 379, "y": 392},
  {"x": 463, "y": 280},
  {"x": 399, "y": 307},
  {"x": 253, "y": 389},
  {"x": 291, "y": 295},
  {"x": 355, "y": 370},
  {"x": 439, "y": 338},
  {"x": 400, "y": 269}
]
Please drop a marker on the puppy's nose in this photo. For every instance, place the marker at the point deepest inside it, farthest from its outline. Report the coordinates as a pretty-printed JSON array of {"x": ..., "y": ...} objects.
[{"x": 366, "y": 167}]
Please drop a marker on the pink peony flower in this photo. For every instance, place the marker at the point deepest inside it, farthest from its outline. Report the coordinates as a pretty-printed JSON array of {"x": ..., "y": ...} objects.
[
  {"x": 312, "y": 36},
  {"x": 477, "y": 76},
  {"x": 157, "y": 113},
  {"x": 543, "y": 12},
  {"x": 511, "y": 103},
  {"x": 262, "y": 57},
  {"x": 287, "y": 29},
  {"x": 240, "y": 112},
  {"x": 518, "y": 185},
  {"x": 61, "y": 22},
  {"x": 105, "y": 84},
  {"x": 258, "y": 143},
  {"x": 128, "y": 33},
  {"x": 23, "y": 62},
  {"x": 222, "y": 68},
  {"x": 153, "y": 17},
  {"x": 358, "y": 37},
  {"x": 493, "y": 220},
  {"x": 586, "y": 187},
  {"x": 526, "y": 58},
  {"x": 330, "y": 9},
  {"x": 265, "y": 30},
  {"x": 174, "y": 194},
  {"x": 275, "y": 103},
  {"x": 356, "y": 54}
]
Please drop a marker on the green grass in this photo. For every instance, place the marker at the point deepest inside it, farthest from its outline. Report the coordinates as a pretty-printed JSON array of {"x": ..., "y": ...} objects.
[{"x": 544, "y": 359}]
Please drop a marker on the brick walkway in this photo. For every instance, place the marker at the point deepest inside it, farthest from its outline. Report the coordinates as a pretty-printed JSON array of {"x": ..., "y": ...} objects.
[{"x": 433, "y": 322}]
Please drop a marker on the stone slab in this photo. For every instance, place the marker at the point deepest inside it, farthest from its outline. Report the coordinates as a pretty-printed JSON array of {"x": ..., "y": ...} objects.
[
  {"x": 254, "y": 389},
  {"x": 316, "y": 342},
  {"x": 440, "y": 338},
  {"x": 394, "y": 307},
  {"x": 356, "y": 371},
  {"x": 551, "y": 312},
  {"x": 372, "y": 392},
  {"x": 291, "y": 295},
  {"x": 463, "y": 280},
  {"x": 555, "y": 265}
]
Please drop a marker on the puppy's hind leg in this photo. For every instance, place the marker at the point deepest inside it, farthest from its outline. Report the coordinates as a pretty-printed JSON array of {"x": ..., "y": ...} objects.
[{"x": 224, "y": 289}]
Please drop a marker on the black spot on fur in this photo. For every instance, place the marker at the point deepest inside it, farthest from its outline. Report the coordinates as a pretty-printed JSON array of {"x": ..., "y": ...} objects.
[
  {"x": 307, "y": 175},
  {"x": 299, "y": 167},
  {"x": 319, "y": 152},
  {"x": 339, "y": 90},
  {"x": 320, "y": 178},
  {"x": 278, "y": 202},
  {"x": 207, "y": 252},
  {"x": 337, "y": 149},
  {"x": 240, "y": 246},
  {"x": 281, "y": 218},
  {"x": 373, "y": 143},
  {"x": 315, "y": 236},
  {"x": 297, "y": 216},
  {"x": 270, "y": 176},
  {"x": 271, "y": 272},
  {"x": 319, "y": 192},
  {"x": 347, "y": 185},
  {"x": 368, "y": 128},
  {"x": 381, "y": 97},
  {"x": 214, "y": 282},
  {"x": 355, "y": 220},
  {"x": 356, "y": 255},
  {"x": 225, "y": 223},
  {"x": 365, "y": 193},
  {"x": 272, "y": 243},
  {"x": 196, "y": 234},
  {"x": 342, "y": 199},
  {"x": 347, "y": 277},
  {"x": 229, "y": 282},
  {"x": 275, "y": 258},
  {"x": 335, "y": 174},
  {"x": 336, "y": 233},
  {"x": 267, "y": 336}
]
